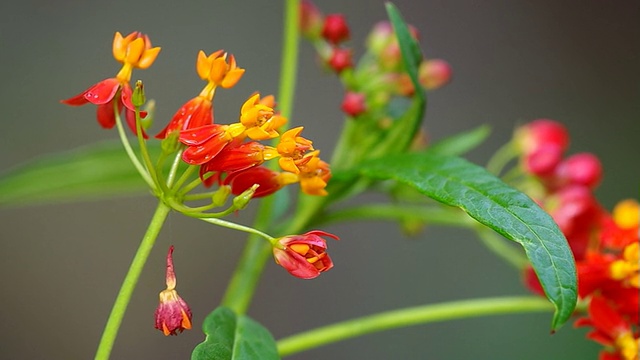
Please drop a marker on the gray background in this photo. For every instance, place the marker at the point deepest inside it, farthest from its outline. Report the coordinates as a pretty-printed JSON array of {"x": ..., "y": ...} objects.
[{"x": 513, "y": 61}]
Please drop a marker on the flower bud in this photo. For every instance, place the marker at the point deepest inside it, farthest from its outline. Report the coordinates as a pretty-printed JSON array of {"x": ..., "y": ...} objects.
[
  {"x": 354, "y": 104},
  {"x": 340, "y": 59},
  {"x": 241, "y": 201},
  {"x": 542, "y": 131},
  {"x": 304, "y": 256},
  {"x": 138, "y": 99},
  {"x": 580, "y": 169},
  {"x": 335, "y": 29},
  {"x": 311, "y": 20},
  {"x": 221, "y": 195},
  {"x": 434, "y": 73}
]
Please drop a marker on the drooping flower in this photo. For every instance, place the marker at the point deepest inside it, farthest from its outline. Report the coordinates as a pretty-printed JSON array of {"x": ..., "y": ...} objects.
[
  {"x": 173, "y": 315},
  {"x": 133, "y": 51},
  {"x": 198, "y": 111},
  {"x": 304, "y": 256}
]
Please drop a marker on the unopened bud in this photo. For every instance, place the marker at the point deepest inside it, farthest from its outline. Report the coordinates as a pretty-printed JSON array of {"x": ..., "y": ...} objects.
[
  {"x": 171, "y": 143},
  {"x": 221, "y": 195},
  {"x": 138, "y": 99},
  {"x": 241, "y": 201}
]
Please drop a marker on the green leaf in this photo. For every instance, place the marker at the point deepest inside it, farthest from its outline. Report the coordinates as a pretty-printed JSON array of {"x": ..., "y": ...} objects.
[
  {"x": 91, "y": 172},
  {"x": 461, "y": 143},
  {"x": 456, "y": 182},
  {"x": 402, "y": 133},
  {"x": 237, "y": 337}
]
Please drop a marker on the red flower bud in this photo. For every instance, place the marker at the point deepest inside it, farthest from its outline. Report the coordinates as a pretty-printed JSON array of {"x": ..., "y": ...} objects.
[
  {"x": 434, "y": 73},
  {"x": 311, "y": 22},
  {"x": 354, "y": 103},
  {"x": 542, "y": 131},
  {"x": 340, "y": 59},
  {"x": 304, "y": 255},
  {"x": 335, "y": 29}
]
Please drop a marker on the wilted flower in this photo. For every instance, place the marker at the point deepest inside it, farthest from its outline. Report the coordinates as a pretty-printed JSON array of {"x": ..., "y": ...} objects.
[{"x": 173, "y": 315}]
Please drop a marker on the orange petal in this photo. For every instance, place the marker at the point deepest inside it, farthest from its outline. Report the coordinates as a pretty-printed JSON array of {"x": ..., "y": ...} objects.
[{"x": 148, "y": 57}]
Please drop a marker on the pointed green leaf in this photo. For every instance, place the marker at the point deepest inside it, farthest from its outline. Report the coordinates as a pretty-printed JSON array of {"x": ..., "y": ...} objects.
[
  {"x": 234, "y": 337},
  {"x": 89, "y": 172},
  {"x": 461, "y": 143},
  {"x": 456, "y": 182}
]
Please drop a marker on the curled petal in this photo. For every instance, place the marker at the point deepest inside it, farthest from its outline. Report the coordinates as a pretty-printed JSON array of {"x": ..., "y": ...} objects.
[
  {"x": 200, "y": 135},
  {"x": 102, "y": 92}
]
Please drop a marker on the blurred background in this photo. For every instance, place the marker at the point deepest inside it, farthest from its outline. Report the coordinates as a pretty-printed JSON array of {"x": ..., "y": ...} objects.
[{"x": 513, "y": 61}]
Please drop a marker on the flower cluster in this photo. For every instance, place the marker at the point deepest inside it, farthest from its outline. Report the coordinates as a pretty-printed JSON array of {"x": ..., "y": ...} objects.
[
  {"x": 380, "y": 73},
  {"x": 605, "y": 246}
]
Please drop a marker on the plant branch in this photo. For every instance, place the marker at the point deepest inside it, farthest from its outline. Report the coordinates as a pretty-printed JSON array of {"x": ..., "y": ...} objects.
[{"x": 418, "y": 315}]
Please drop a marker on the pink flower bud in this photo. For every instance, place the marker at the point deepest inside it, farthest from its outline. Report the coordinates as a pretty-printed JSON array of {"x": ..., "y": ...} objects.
[
  {"x": 434, "y": 73},
  {"x": 543, "y": 160},
  {"x": 311, "y": 20},
  {"x": 542, "y": 131},
  {"x": 354, "y": 104},
  {"x": 580, "y": 169}
]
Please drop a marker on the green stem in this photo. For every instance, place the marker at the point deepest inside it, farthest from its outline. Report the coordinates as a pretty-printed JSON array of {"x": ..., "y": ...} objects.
[
  {"x": 238, "y": 227},
  {"x": 145, "y": 152},
  {"x": 130, "y": 281},
  {"x": 424, "y": 314},
  {"x": 430, "y": 215},
  {"x": 245, "y": 278},
  {"x": 132, "y": 155},
  {"x": 501, "y": 158}
]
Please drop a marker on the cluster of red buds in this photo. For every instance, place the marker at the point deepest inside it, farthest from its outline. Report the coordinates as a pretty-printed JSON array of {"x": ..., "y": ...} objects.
[
  {"x": 605, "y": 245},
  {"x": 379, "y": 74}
]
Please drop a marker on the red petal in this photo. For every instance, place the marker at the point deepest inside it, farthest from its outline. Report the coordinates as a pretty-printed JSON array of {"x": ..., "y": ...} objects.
[
  {"x": 199, "y": 136},
  {"x": 200, "y": 154},
  {"x": 105, "y": 115},
  {"x": 295, "y": 264},
  {"x": 102, "y": 92},
  {"x": 77, "y": 100}
]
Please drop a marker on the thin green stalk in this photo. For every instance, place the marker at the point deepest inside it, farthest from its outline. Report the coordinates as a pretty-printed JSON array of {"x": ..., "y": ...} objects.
[
  {"x": 130, "y": 281},
  {"x": 132, "y": 155},
  {"x": 245, "y": 278},
  {"x": 430, "y": 215},
  {"x": 234, "y": 226},
  {"x": 424, "y": 314},
  {"x": 145, "y": 152},
  {"x": 501, "y": 158}
]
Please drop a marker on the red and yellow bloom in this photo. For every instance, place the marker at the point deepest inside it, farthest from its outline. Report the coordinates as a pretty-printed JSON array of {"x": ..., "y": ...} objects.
[
  {"x": 304, "y": 256},
  {"x": 133, "y": 51}
]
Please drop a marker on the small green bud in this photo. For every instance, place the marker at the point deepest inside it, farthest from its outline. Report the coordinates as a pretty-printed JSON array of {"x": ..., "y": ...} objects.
[
  {"x": 241, "y": 201},
  {"x": 221, "y": 195},
  {"x": 171, "y": 143},
  {"x": 138, "y": 99}
]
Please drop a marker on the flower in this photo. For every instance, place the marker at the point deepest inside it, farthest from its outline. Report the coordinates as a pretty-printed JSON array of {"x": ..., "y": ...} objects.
[
  {"x": 198, "y": 111},
  {"x": 611, "y": 330},
  {"x": 133, "y": 51},
  {"x": 314, "y": 176},
  {"x": 304, "y": 256},
  {"x": 292, "y": 149},
  {"x": 259, "y": 119},
  {"x": 173, "y": 315},
  {"x": 354, "y": 103},
  {"x": 268, "y": 181}
]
